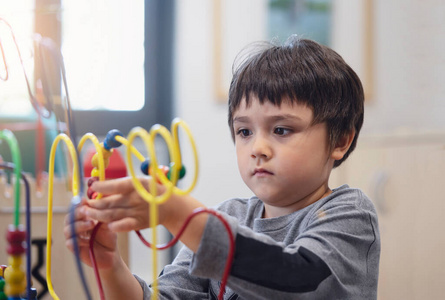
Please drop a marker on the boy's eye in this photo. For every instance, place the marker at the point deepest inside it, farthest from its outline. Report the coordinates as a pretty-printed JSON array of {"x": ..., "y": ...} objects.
[
  {"x": 243, "y": 132},
  {"x": 281, "y": 131}
]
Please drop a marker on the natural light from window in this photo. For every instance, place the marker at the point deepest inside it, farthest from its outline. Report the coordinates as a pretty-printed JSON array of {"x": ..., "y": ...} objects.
[{"x": 103, "y": 48}]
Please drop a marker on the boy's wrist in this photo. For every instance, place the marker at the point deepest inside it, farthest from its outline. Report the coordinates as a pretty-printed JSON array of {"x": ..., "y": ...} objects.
[
  {"x": 116, "y": 266},
  {"x": 175, "y": 213}
]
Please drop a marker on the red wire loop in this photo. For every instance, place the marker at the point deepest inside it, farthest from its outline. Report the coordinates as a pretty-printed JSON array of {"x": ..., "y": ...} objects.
[
  {"x": 93, "y": 260},
  {"x": 181, "y": 231},
  {"x": 170, "y": 244}
]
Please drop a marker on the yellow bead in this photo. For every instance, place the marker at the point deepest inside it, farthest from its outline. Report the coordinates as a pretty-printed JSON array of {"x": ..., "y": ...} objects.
[
  {"x": 15, "y": 282},
  {"x": 107, "y": 153},
  {"x": 13, "y": 275},
  {"x": 14, "y": 290},
  {"x": 15, "y": 261},
  {"x": 95, "y": 158},
  {"x": 95, "y": 172}
]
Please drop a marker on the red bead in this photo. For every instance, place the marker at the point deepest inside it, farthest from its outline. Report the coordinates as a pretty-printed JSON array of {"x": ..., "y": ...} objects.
[
  {"x": 92, "y": 180},
  {"x": 90, "y": 193},
  {"x": 15, "y": 235},
  {"x": 16, "y": 249},
  {"x": 16, "y": 238}
]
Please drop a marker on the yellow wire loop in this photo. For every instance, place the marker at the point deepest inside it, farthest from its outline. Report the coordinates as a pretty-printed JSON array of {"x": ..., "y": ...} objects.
[
  {"x": 97, "y": 146},
  {"x": 148, "y": 139},
  {"x": 170, "y": 185},
  {"x": 176, "y": 123},
  {"x": 75, "y": 187}
]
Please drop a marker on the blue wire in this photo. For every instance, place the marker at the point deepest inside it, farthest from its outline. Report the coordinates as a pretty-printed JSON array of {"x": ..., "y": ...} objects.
[{"x": 74, "y": 202}]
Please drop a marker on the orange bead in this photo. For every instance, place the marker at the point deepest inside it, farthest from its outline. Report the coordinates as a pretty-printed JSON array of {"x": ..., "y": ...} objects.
[{"x": 163, "y": 169}]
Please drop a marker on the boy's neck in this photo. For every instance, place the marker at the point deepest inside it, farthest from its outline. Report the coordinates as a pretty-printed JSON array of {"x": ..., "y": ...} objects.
[{"x": 278, "y": 211}]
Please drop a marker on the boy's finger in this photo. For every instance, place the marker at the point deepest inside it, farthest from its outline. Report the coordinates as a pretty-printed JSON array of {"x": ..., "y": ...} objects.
[
  {"x": 114, "y": 186},
  {"x": 124, "y": 225},
  {"x": 79, "y": 227},
  {"x": 107, "y": 215},
  {"x": 80, "y": 243},
  {"x": 108, "y": 202},
  {"x": 79, "y": 214}
]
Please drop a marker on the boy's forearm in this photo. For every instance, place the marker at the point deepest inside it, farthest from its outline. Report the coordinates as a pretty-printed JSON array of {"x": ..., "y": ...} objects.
[
  {"x": 119, "y": 283},
  {"x": 177, "y": 210}
]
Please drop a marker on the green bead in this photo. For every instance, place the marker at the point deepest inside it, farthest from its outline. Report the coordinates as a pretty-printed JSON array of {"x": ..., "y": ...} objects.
[
  {"x": 181, "y": 172},
  {"x": 2, "y": 286}
]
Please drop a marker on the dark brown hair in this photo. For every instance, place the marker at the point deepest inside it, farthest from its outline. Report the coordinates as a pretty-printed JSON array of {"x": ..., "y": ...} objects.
[{"x": 305, "y": 72}]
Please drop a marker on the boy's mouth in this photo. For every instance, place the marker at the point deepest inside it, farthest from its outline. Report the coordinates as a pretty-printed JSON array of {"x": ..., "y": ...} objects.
[{"x": 261, "y": 172}]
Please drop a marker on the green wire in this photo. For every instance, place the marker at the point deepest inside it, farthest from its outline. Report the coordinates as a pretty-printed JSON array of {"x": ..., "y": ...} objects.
[{"x": 7, "y": 135}]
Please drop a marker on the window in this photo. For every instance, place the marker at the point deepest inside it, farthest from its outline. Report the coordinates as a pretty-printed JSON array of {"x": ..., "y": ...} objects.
[
  {"x": 103, "y": 48},
  {"x": 144, "y": 72},
  {"x": 308, "y": 18},
  {"x": 117, "y": 57}
]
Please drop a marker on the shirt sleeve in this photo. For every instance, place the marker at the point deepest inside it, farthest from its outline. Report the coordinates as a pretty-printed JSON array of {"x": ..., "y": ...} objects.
[{"x": 175, "y": 281}]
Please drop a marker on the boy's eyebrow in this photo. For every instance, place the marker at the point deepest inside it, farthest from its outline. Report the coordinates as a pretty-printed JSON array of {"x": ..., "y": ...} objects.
[
  {"x": 244, "y": 119},
  {"x": 241, "y": 119},
  {"x": 285, "y": 117}
]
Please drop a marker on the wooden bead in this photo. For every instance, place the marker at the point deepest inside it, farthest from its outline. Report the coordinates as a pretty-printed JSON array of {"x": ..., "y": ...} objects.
[
  {"x": 110, "y": 140},
  {"x": 145, "y": 166},
  {"x": 14, "y": 279},
  {"x": 181, "y": 174},
  {"x": 95, "y": 172},
  {"x": 16, "y": 238},
  {"x": 90, "y": 193},
  {"x": 92, "y": 180}
]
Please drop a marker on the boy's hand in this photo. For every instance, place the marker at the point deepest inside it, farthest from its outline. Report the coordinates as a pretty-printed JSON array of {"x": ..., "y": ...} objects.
[
  {"x": 105, "y": 242},
  {"x": 123, "y": 209}
]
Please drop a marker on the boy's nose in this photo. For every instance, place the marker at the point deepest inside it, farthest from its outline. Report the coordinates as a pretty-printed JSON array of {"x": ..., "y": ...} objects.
[{"x": 261, "y": 148}]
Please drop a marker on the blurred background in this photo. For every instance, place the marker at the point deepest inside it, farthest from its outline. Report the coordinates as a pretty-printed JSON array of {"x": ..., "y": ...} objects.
[{"x": 138, "y": 63}]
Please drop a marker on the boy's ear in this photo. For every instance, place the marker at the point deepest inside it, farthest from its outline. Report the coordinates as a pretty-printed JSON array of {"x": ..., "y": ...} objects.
[{"x": 343, "y": 145}]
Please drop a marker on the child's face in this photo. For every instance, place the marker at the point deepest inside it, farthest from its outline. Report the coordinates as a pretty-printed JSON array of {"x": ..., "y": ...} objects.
[{"x": 282, "y": 158}]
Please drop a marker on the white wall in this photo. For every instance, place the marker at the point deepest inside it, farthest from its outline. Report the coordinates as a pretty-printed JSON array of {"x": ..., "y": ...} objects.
[
  {"x": 195, "y": 96},
  {"x": 409, "y": 59}
]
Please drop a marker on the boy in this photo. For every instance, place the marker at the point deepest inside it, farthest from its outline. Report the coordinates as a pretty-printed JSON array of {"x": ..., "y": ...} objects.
[{"x": 295, "y": 112}]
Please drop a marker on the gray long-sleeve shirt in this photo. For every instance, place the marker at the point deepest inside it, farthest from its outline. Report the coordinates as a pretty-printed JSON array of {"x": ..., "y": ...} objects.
[{"x": 327, "y": 250}]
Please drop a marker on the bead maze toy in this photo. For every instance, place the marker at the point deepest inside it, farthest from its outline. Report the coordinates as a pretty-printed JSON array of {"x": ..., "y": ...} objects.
[
  {"x": 12, "y": 277},
  {"x": 168, "y": 176}
]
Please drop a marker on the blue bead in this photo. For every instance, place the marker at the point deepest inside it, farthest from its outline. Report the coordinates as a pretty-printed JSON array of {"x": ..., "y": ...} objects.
[
  {"x": 110, "y": 141},
  {"x": 145, "y": 166}
]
